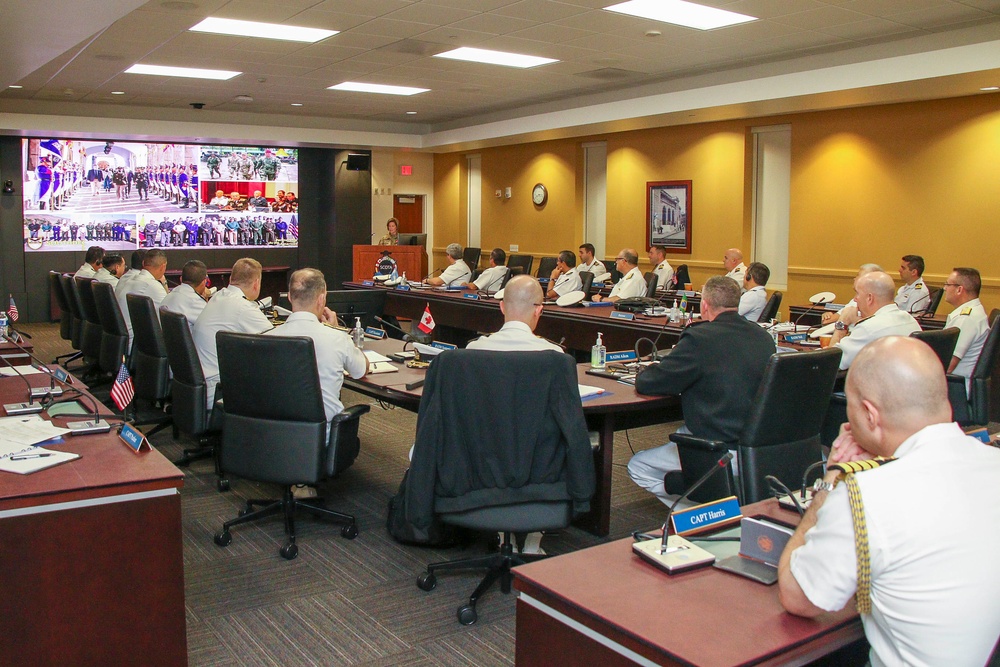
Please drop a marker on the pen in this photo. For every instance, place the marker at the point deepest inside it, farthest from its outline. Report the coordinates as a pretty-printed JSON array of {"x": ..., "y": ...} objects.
[{"x": 29, "y": 456}]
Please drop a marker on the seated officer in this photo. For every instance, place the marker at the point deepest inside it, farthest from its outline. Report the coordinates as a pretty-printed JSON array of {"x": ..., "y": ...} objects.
[
  {"x": 632, "y": 283},
  {"x": 564, "y": 278},
  {"x": 913, "y": 296},
  {"x": 755, "y": 297},
  {"x": 877, "y": 316},
  {"x": 490, "y": 279}
]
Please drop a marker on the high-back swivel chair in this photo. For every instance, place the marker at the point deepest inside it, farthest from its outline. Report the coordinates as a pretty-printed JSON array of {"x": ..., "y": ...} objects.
[
  {"x": 471, "y": 258},
  {"x": 587, "y": 284},
  {"x": 527, "y": 468},
  {"x": 275, "y": 429},
  {"x": 90, "y": 332},
  {"x": 66, "y": 321},
  {"x": 114, "y": 334},
  {"x": 149, "y": 357},
  {"x": 520, "y": 263},
  {"x": 971, "y": 406},
  {"x": 771, "y": 307},
  {"x": 942, "y": 341},
  {"x": 782, "y": 432}
]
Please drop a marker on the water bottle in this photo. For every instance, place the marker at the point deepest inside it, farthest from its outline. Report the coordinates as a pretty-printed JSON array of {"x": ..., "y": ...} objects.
[
  {"x": 3, "y": 324},
  {"x": 358, "y": 334}
]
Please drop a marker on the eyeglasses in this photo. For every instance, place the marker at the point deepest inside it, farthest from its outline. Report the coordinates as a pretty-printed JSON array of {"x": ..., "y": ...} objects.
[
  {"x": 951, "y": 285},
  {"x": 619, "y": 259}
]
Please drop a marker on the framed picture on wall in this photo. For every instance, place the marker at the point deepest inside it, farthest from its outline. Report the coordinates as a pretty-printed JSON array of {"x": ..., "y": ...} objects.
[{"x": 668, "y": 215}]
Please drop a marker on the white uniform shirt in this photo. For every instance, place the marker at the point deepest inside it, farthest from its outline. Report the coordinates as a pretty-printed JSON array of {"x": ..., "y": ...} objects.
[
  {"x": 513, "y": 336},
  {"x": 228, "y": 310},
  {"x": 913, "y": 298},
  {"x": 738, "y": 273},
  {"x": 335, "y": 353},
  {"x": 105, "y": 276},
  {"x": 631, "y": 284},
  {"x": 123, "y": 282},
  {"x": 567, "y": 282},
  {"x": 752, "y": 303},
  {"x": 85, "y": 271},
  {"x": 933, "y": 519},
  {"x": 973, "y": 325},
  {"x": 184, "y": 300},
  {"x": 146, "y": 285},
  {"x": 664, "y": 275},
  {"x": 887, "y": 321},
  {"x": 490, "y": 279},
  {"x": 457, "y": 273},
  {"x": 596, "y": 267}
]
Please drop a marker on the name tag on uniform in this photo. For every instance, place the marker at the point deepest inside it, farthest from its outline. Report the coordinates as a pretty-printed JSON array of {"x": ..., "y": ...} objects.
[{"x": 622, "y": 315}]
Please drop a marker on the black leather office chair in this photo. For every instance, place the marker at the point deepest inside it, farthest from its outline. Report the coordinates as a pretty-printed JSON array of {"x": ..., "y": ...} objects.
[
  {"x": 770, "y": 308},
  {"x": 90, "y": 331},
  {"x": 586, "y": 284},
  {"x": 527, "y": 468},
  {"x": 275, "y": 429},
  {"x": 522, "y": 262},
  {"x": 681, "y": 276},
  {"x": 545, "y": 267},
  {"x": 781, "y": 436},
  {"x": 933, "y": 302},
  {"x": 942, "y": 341},
  {"x": 612, "y": 268},
  {"x": 651, "y": 281},
  {"x": 149, "y": 358},
  {"x": 972, "y": 407},
  {"x": 994, "y": 314},
  {"x": 471, "y": 258},
  {"x": 73, "y": 301},
  {"x": 65, "y": 318},
  {"x": 189, "y": 393},
  {"x": 506, "y": 278},
  {"x": 114, "y": 334}
]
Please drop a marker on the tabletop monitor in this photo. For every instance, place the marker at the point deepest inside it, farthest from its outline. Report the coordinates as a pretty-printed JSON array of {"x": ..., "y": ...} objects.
[{"x": 413, "y": 239}]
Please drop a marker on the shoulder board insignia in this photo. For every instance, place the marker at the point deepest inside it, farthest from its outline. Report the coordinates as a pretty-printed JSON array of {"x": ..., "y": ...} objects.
[
  {"x": 918, "y": 286},
  {"x": 629, "y": 276},
  {"x": 966, "y": 311},
  {"x": 850, "y": 467}
]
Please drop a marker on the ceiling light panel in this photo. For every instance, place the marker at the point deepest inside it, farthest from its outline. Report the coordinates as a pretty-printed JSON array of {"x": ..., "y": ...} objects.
[
  {"x": 186, "y": 72},
  {"x": 488, "y": 57},
  {"x": 680, "y": 12},
  {"x": 290, "y": 33},
  {"x": 359, "y": 87}
]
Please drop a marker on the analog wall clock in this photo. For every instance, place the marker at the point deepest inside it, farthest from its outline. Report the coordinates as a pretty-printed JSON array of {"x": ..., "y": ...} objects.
[{"x": 539, "y": 195}]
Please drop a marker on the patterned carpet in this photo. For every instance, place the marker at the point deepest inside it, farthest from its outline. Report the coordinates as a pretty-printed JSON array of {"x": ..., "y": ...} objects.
[{"x": 347, "y": 602}]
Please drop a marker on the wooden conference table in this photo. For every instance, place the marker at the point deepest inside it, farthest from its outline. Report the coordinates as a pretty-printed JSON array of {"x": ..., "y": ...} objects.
[
  {"x": 91, "y": 568},
  {"x": 14, "y": 356},
  {"x": 459, "y": 318},
  {"x": 619, "y": 408},
  {"x": 604, "y": 605}
]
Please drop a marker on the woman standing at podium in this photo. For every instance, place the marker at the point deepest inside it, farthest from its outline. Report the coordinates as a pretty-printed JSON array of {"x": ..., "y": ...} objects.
[{"x": 392, "y": 238}]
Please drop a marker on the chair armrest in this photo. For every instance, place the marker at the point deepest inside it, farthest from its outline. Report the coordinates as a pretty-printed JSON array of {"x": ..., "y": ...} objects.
[
  {"x": 955, "y": 379},
  {"x": 838, "y": 398},
  {"x": 693, "y": 441},
  {"x": 353, "y": 412}
]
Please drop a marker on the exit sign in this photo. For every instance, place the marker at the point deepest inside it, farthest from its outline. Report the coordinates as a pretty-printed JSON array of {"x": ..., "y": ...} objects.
[{"x": 406, "y": 170}]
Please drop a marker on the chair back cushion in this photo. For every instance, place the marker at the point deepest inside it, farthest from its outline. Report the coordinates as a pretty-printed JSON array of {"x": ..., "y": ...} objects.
[
  {"x": 188, "y": 393},
  {"x": 114, "y": 335},
  {"x": 66, "y": 316},
  {"x": 149, "y": 352},
  {"x": 781, "y": 436},
  {"x": 73, "y": 302},
  {"x": 771, "y": 308},
  {"x": 521, "y": 440},
  {"x": 942, "y": 341},
  {"x": 981, "y": 381},
  {"x": 586, "y": 282},
  {"x": 274, "y": 428}
]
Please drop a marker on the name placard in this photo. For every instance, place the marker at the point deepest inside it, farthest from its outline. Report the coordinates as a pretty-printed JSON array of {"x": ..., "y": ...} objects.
[
  {"x": 372, "y": 332},
  {"x": 403, "y": 287},
  {"x": 474, "y": 297},
  {"x": 443, "y": 346},
  {"x": 795, "y": 337},
  {"x": 62, "y": 375},
  {"x": 709, "y": 516},
  {"x": 133, "y": 438},
  {"x": 622, "y": 315},
  {"x": 623, "y": 355},
  {"x": 368, "y": 283}
]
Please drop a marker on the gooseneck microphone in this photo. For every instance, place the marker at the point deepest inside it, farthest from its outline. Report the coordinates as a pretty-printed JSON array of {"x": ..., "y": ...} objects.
[
  {"x": 720, "y": 465},
  {"x": 812, "y": 306},
  {"x": 21, "y": 408},
  {"x": 406, "y": 336},
  {"x": 432, "y": 274}
]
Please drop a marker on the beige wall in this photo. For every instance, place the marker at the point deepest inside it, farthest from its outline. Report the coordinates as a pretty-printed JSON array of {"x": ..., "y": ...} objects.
[{"x": 867, "y": 185}]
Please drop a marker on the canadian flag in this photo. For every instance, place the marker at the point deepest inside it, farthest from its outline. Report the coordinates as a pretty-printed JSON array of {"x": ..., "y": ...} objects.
[{"x": 427, "y": 321}]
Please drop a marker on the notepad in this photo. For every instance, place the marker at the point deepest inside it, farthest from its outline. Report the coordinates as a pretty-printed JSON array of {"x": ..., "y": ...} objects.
[
  {"x": 587, "y": 390},
  {"x": 28, "y": 466}
]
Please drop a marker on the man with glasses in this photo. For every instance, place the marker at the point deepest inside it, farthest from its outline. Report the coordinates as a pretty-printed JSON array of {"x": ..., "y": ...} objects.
[
  {"x": 969, "y": 317},
  {"x": 632, "y": 283},
  {"x": 877, "y": 316}
]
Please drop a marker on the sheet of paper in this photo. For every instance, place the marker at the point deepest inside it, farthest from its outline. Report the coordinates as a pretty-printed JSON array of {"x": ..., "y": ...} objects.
[
  {"x": 11, "y": 371},
  {"x": 30, "y": 432},
  {"x": 374, "y": 357},
  {"x": 589, "y": 390}
]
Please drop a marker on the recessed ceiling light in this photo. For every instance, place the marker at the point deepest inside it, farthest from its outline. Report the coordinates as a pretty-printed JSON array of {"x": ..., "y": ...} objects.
[
  {"x": 411, "y": 113},
  {"x": 16, "y": 87},
  {"x": 679, "y": 12},
  {"x": 495, "y": 57},
  {"x": 987, "y": 89},
  {"x": 358, "y": 87},
  {"x": 117, "y": 92},
  {"x": 290, "y": 33},
  {"x": 296, "y": 104},
  {"x": 188, "y": 72}
]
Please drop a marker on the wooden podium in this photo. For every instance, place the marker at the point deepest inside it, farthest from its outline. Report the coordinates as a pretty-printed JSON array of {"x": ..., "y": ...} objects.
[{"x": 409, "y": 258}]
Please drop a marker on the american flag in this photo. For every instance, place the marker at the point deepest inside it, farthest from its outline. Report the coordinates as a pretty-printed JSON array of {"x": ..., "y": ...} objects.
[
  {"x": 12, "y": 311},
  {"x": 122, "y": 391}
]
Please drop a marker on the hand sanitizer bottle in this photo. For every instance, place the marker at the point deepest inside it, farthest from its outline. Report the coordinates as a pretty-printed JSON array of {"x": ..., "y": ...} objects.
[
  {"x": 675, "y": 313},
  {"x": 359, "y": 334},
  {"x": 598, "y": 353}
]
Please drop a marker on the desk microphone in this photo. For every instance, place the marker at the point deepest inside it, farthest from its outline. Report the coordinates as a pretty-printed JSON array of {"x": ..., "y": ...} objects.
[
  {"x": 21, "y": 408},
  {"x": 720, "y": 465},
  {"x": 406, "y": 336},
  {"x": 812, "y": 305},
  {"x": 432, "y": 273},
  {"x": 22, "y": 334}
]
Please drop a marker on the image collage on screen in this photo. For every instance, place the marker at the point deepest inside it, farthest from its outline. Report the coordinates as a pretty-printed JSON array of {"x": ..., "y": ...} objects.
[{"x": 126, "y": 195}]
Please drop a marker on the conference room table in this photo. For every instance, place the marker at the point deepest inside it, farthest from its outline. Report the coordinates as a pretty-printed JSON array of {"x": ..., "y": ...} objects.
[
  {"x": 14, "y": 356},
  {"x": 459, "y": 318},
  {"x": 91, "y": 569},
  {"x": 617, "y": 409},
  {"x": 812, "y": 316},
  {"x": 604, "y": 605}
]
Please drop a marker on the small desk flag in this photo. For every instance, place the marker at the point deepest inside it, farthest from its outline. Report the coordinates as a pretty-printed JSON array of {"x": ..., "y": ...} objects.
[
  {"x": 122, "y": 391},
  {"x": 426, "y": 322}
]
